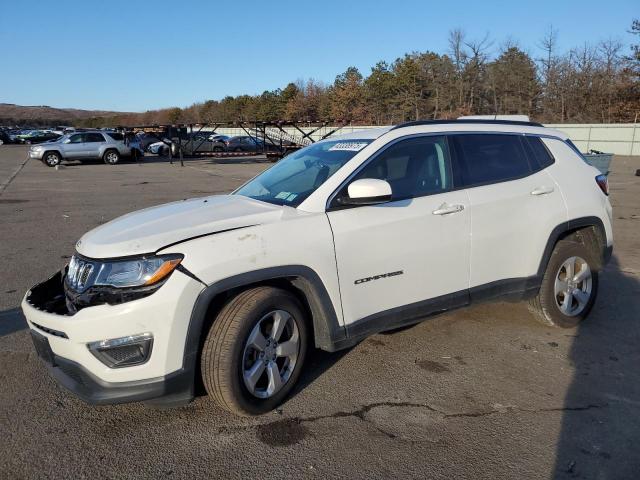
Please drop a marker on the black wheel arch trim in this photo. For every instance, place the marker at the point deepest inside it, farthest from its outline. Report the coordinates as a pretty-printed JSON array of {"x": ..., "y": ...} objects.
[
  {"x": 569, "y": 226},
  {"x": 328, "y": 333}
]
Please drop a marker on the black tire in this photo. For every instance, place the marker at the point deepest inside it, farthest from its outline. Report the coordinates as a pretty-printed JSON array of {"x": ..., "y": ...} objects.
[
  {"x": 111, "y": 157},
  {"x": 546, "y": 305},
  {"x": 51, "y": 159},
  {"x": 27, "y": 142},
  {"x": 237, "y": 149},
  {"x": 224, "y": 351}
]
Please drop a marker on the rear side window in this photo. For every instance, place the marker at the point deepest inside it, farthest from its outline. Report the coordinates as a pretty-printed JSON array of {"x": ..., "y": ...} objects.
[
  {"x": 538, "y": 153},
  {"x": 490, "y": 158},
  {"x": 93, "y": 137}
]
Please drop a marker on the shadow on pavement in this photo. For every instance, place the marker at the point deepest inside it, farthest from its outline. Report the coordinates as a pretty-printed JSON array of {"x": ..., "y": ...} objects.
[
  {"x": 11, "y": 321},
  {"x": 316, "y": 364},
  {"x": 600, "y": 431}
]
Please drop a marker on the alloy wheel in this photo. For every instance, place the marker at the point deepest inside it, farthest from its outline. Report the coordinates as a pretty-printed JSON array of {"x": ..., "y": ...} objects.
[
  {"x": 270, "y": 354},
  {"x": 52, "y": 160},
  {"x": 573, "y": 286}
]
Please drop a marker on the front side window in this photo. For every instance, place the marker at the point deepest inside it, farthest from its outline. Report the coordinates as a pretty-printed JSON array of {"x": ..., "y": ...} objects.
[
  {"x": 75, "y": 138},
  {"x": 299, "y": 174},
  {"x": 413, "y": 167},
  {"x": 490, "y": 158}
]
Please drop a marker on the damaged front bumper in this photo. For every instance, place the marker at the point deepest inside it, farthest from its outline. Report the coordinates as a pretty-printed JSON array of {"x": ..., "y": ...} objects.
[{"x": 72, "y": 343}]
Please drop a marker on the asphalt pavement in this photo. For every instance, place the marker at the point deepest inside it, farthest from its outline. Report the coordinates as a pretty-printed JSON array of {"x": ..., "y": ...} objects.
[{"x": 483, "y": 392}]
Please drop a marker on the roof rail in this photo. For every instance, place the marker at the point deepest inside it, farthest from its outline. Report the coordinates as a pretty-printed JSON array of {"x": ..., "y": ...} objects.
[{"x": 466, "y": 121}]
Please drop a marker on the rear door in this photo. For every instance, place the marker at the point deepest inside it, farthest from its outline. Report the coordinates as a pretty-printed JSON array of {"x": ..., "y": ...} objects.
[
  {"x": 514, "y": 206},
  {"x": 93, "y": 141},
  {"x": 406, "y": 257}
]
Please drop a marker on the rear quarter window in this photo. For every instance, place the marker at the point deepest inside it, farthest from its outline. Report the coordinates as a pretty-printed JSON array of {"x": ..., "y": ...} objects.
[
  {"x": 538, "y": 153},
  {"x": 116, "y": 136}
]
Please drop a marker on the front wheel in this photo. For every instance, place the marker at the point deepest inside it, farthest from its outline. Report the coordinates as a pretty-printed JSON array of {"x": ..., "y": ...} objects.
[
  {"x": 51, "y": 159},
  {"x": 254, "y": 352},
  {"x": 111, "y": 157},
  {"x": 569, "y": 286}
]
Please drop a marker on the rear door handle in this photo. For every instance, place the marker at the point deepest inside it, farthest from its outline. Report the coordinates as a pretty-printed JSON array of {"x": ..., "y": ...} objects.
[
  {"x": 446, "y": 209},
  {"x": 541, "y": 190}
]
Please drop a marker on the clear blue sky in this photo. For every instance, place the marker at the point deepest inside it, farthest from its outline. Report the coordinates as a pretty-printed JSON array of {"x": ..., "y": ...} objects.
[{"x": 134, "y": 55}]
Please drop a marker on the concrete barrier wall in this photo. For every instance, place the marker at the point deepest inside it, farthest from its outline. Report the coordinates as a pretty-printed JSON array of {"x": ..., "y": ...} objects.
[{"x": 620, "y": 138}]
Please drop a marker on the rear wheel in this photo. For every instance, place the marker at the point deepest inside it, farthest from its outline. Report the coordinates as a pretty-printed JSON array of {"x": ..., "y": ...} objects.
[
  {"x": 254, "y": 352},
  {"x": 111, "y": 157},
  {"x": 569, "y": 286},
  {"x": 51, "y": 159}
]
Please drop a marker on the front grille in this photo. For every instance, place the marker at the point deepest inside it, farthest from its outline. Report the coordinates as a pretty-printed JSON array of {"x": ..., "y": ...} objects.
[
  {"x": 84, "y": 275},
  {"x": 79, "y": 273}
]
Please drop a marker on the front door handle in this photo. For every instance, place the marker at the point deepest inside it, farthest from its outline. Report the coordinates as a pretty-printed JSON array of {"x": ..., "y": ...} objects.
[
  {"x": 541, "y": 190},
  {"x": 446, "y": 209}
]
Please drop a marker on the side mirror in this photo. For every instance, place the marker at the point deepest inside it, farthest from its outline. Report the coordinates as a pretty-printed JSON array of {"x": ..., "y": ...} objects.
[{"x": 367, "y": 191}]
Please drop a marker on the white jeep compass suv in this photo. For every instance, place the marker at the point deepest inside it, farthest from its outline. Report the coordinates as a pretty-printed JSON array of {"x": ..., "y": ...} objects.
[{"x": 345, "y": 238}]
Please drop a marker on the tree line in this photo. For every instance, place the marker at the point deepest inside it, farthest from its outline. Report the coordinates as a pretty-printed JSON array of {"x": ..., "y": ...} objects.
[{"x": 591, "y": 83}]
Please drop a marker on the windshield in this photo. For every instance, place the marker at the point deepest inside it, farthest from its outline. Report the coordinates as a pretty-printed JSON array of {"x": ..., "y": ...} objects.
[{"x": 298, "y": 175}]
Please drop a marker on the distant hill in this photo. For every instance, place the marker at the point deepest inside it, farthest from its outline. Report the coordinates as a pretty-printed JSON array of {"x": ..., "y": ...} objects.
[{"x": 45, "y": 115}]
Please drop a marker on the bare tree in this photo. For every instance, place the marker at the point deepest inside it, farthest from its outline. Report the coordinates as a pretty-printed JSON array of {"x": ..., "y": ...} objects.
[
  {"x": 460, "y": 57},
  {"x": 475, "y": 69},
  {"x": 610, "y": 53}
]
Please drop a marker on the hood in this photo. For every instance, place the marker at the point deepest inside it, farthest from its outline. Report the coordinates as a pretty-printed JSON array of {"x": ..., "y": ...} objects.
[{"x": 151, "y": 229}]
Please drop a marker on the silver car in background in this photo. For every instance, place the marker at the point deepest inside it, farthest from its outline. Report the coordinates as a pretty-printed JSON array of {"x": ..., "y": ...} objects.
[{"x": 94, "y": 145}]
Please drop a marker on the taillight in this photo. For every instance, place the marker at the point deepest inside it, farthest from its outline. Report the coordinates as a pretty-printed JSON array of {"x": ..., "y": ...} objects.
[{"x": 603, "y": 183}]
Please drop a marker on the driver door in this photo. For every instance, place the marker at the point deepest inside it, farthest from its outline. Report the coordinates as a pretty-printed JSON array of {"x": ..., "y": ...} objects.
[{"x": 409, "y": 256}]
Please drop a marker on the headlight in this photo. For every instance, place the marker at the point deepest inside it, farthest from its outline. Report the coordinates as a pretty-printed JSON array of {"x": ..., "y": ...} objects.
[
  {"x": 93, "y": 282},
  {"x": 36, "y": 148},
  {"x": 136, "y": 273},
  {"x": 139, "y": 272}
]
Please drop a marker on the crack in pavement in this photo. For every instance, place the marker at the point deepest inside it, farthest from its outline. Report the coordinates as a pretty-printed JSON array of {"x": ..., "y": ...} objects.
[
  {"x": 5, "y": 184},
  {"x": 289, "y": 431}
]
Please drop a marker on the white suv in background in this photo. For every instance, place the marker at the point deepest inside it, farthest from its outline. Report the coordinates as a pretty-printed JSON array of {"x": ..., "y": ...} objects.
[{"x": 345, "y": 238}]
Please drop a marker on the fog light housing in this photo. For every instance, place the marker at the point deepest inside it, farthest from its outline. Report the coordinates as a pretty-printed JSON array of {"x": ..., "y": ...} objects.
[{"x": 124, "y": 351}]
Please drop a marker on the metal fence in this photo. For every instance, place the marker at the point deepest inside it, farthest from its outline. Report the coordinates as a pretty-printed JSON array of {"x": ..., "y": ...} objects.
[{"x": 618, "y": 138}]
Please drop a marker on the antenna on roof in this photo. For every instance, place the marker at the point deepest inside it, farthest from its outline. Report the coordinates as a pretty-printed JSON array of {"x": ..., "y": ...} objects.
[{"x": 511, "y": 118}]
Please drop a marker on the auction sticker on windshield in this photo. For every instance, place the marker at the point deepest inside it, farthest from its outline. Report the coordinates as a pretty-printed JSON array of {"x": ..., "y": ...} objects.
[{"x": 349, "y": 146}]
